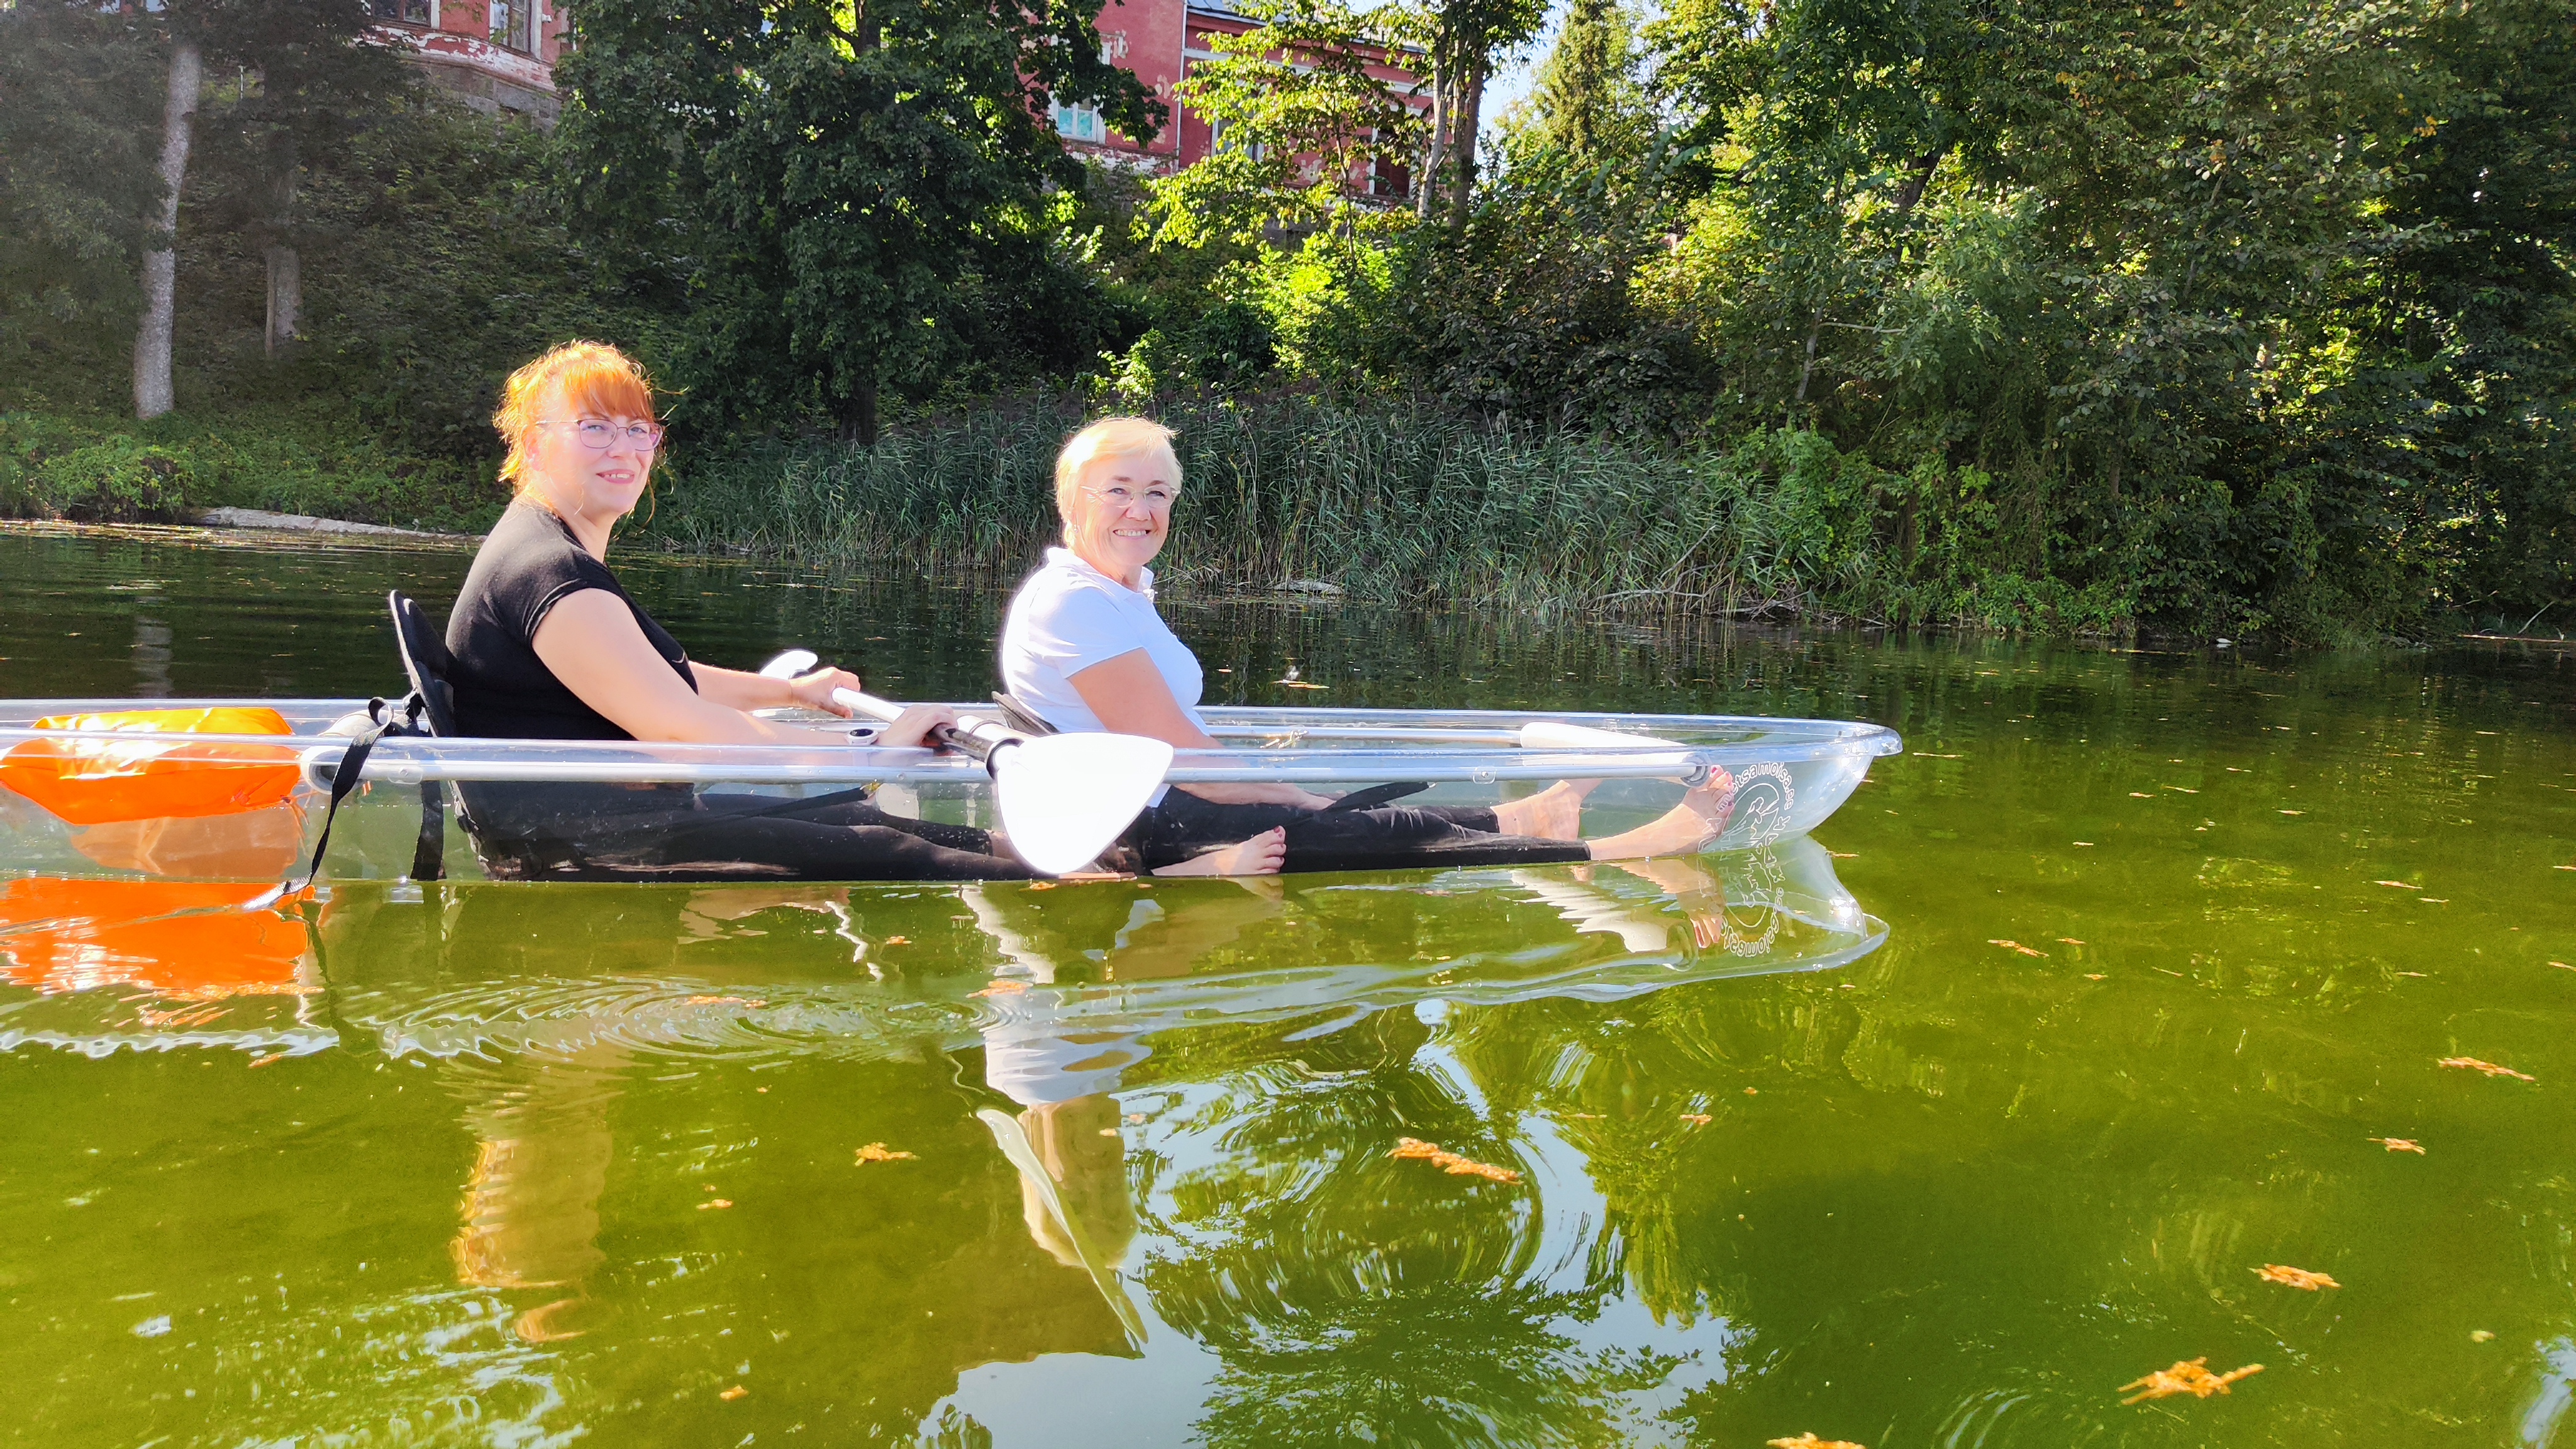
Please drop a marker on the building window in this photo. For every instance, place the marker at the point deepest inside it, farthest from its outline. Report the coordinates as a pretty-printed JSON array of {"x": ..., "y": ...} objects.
[
  {"x": 510, "y": 27},
  {"x": 1080, "y": 123},
  {"x": 404, "y": 12},
  {"x": 1219, "y": 139}
]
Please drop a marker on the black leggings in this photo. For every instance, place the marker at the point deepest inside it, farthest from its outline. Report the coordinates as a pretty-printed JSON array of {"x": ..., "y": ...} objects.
[
  {"x": 1391, "y": 837},
  {"x": 836, "y": 837}
]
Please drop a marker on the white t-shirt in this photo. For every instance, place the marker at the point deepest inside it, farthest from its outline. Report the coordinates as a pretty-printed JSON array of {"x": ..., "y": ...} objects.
[{"x": 1069, "y": 616}]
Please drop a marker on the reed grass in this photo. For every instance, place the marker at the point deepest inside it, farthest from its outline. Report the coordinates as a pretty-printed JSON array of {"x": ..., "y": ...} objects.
[{"x": 1381, "y": 503}]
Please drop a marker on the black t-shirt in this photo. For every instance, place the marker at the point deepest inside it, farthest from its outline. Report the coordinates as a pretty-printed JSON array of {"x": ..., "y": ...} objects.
[{"x": 528, "y": 564}]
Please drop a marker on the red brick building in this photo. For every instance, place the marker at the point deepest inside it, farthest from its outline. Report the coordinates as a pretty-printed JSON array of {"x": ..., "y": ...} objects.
[
  {"x": 1161, "y": 41},
  {"x": 500, "y": 54}
]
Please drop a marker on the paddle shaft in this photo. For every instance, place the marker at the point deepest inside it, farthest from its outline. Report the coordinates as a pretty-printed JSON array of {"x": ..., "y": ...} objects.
[{"x": 973, "y": 735}]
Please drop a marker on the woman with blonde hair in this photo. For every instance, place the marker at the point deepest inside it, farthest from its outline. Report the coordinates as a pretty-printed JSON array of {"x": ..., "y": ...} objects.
[
  {"x": 548, "y": 645},
  {"x": 1084, "y": 649}
]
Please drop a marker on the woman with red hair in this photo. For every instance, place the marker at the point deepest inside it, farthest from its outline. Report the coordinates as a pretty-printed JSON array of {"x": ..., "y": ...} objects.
[{"x": 549, "y": 646}]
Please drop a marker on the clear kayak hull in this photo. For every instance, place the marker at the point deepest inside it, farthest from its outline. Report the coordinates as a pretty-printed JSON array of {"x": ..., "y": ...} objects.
[{"x": 1790, "y": 774}]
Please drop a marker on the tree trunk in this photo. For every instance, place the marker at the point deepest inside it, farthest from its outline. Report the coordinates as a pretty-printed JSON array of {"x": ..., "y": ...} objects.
[
  {"x": 161, "y": 262},
  {"x": 1426, "y": 184},
  {"x": 1471, "y": 101},
  {"x": 859, "y": 416},
  {"x": 285, "y": 296},
  {"x": 285, "y": 264},
  {"x": 1919, "y": 176}
]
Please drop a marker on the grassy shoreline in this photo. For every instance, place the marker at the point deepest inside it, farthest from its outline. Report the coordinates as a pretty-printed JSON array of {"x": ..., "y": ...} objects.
[{"x": 1383, "y": 504}]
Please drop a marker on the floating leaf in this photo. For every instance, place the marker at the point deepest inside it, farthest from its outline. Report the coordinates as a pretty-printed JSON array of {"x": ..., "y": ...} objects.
[
  {"x": 1696, "y": 1119},
  {"x": 1450, "y": 1162},
  {"x": 2192, "y": 1376},
  {"x": 2400, "y": 1144},
  {"x": 2068, "y": 941},
  {"x": 715, "y": 1202},
  {"x": 2481, "y": 1335},
  {"x": 2094, "y": 976},
  {"x": 271, "y": 1057},
  {"x": 2491, "y": 1069},
  {"x": 2290, "y": 1277},
  {"x": 878, "y": 1152},
  {"x": 898, "y": 941},
  {"x": 1809, "y": 1440},
  {"x": 2294, "y": 812},
  {"x": 2394, "y": 884},
  {"x": 1136, "y": 1118},
  {"x": 1041, "y": 885},
  {"x": 2140, "y": 795},
  {"x": 1002, "y": 988},
  {"x": 731, "y": 1394},
  {"x": 2018, "y": 946}
]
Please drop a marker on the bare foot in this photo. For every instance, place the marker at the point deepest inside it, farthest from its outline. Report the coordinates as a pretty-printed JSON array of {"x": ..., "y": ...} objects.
[
  {"x": 1699, "y": 819},
  {"x": 1261, "y": 855},
  {"x": 1555, "y": 813}
]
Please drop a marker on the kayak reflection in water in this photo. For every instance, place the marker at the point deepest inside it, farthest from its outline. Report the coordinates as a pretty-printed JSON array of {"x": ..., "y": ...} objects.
[
  {"x": 549, "y": 646},
  {"x": 1085, "y": 650}
]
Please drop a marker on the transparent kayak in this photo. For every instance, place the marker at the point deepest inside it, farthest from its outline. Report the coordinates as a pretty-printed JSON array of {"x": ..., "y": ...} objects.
[{"x": 1790, "y": 774}]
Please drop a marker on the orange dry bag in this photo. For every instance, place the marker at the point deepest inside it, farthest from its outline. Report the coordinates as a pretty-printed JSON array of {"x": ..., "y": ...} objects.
[{"x": 98, "y": 781}]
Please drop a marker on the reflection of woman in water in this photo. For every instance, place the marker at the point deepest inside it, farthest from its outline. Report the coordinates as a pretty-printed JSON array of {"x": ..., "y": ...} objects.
[
  {"x": 1063, "y": 1078},
  {"x": 543, "y": 1145},
  {"x": 531, "y": 1209}
]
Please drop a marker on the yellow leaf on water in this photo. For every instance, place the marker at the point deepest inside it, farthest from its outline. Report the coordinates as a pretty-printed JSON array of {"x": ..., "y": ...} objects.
[
  {"x": 1696, "y": 1119},
  {"x": 1451, "y": 1162},
  {"x": 715, "y": 1202},
  {"x": 2191, "y": 1376},
  {"x": 2069, "y": 941},
  {"x": 2490, "y": 1068},
  {"x": 898, "y": 940},
  {"x": 2400, "y": 1144},
  {"x": 1809, "y": 1440},
  {"x": 878, "y": 1152},
  {"x": 2017, "y": 946},
  {"x": 2290, "y": 1277},
  {"x": 1002, "y": 988},
  {"x": 731, "y": 1394},
  {"x": 271, "y": 1057}
]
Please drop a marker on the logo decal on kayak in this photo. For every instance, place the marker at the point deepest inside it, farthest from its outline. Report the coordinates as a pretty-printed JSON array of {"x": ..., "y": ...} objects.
[{"x": 1764, "y": 794}]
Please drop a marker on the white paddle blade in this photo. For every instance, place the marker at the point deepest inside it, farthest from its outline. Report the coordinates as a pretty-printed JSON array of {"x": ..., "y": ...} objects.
[
  {"x": 1066, "y": 798},
  {"x": 1548, "y": 735},
  {"x": 790, "y": 664}
]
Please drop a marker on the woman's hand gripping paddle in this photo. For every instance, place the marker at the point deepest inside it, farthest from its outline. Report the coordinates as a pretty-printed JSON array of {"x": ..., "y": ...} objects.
[{"x": 1064, "y": 798}]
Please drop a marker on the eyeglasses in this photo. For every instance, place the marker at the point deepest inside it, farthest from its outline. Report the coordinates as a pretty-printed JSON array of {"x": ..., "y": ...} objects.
[
  {"x": 1155, "y": 497},
  {"x": 599, "y": 434}
]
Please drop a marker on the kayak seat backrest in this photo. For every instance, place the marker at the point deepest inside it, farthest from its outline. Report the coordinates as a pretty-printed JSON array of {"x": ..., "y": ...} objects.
[
  {"x": 1019, "y": 716},
  {"x": 427, "y": 663}
]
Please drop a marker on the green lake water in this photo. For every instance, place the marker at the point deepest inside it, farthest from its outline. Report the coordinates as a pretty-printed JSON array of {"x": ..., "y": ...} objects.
[{"x": 2131, "y": 968}]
